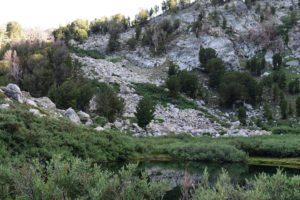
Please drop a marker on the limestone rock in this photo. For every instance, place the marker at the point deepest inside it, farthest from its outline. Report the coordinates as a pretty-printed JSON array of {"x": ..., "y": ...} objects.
[
  {"x": 72, "y": 115},
  {"x": 45, "y": 102},
  {"x": 13, "y": 91}
]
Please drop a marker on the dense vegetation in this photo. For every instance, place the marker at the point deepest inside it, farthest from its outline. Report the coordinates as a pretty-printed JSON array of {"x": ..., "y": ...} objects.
[{"x": 263, "y": 187}]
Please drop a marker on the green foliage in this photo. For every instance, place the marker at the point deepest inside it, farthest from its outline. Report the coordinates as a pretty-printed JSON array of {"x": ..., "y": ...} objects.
[
  {"x": 83, "y": 52},
  {"x": 256, "y": 65},
  {"x": 131, "y": 43},
  {"x": 76, "y": 179},
  {"x": 294, "y": 87},
  {"x": 4, "y": 67},
  {"x": 277, "y": 186},
  {"x": 108, "y": 104},
  {"x": 273, "y": 10},
  {"x": 173, "y": 69},
  {"x": 27, "y": 136},
  {"x": 14, "y": 30},
  {"x": 224, "y": 24},
  {"x": 268, "y": 113},
  {"x": 145, "y": 111},
  {"x": 38, "y": 76},
  {"x": 239, "y": 86},
  {"x": 205, "y": 55},
  {"x": 142, "y": 17},
  {"x": 113, "y": 45},
  {"x": 277, "y": 61},
  {"x": 242, "y": 115},
  {"x": 189, "y": 83},
  {"x": 138, "y": 32},
  {"x": 216, "y": 69},
  {"x": 283, "y": 108},
  {"x": 176, "y": 24},
  {"x": 159, "y": 95},
  {"x": 174, "y": 86},
  {"x": 207, "y": 152},
  {"x": 72, "y": 93},
  {"x": 80, "y": 35}
]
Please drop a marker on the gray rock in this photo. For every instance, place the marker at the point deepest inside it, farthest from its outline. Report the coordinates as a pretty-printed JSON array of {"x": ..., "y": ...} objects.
[
  {"x": 293, "y": 63},
  {"x": 83, "y": 115},
  {"x": 72, "y": 115},
  {"x": 269, "y": 56},
  {"x": 45, "y": 102},
  {"x": 5, "y": 106},
  {"x": 99, "y": 128},
  {"x": 118, "y": 124},
  {"x": 30, "y": 102},
  {"x": 13, "y": 91}
]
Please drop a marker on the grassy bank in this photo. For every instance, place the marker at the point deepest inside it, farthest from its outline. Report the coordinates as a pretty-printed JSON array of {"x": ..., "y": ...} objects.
[{"x": 276, "y": 162}]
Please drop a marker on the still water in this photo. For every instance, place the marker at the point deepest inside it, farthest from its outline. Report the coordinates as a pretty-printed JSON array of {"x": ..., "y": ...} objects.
[{"x": 174, "y": 171}]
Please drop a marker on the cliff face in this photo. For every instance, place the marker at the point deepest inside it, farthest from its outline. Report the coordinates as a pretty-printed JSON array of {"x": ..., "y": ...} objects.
[{"x": 245, "y": 35}]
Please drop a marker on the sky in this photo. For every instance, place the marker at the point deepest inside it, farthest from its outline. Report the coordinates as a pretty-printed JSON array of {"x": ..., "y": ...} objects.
[{"x": 52, "y": 13}]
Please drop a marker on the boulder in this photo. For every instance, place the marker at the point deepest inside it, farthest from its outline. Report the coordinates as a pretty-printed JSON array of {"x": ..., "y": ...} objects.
[
  {"x": 99, "y": 128},
  {"x": 13, "y": 91},
  {"x": 45, "y": 102},
  {"x": 293, "y": 63},
  {"x": 72, "y": 115},
  {"x": 5, "y": 106}
]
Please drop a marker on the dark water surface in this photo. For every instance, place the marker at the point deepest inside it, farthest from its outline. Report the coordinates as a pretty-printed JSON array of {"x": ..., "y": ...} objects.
[{"x": 174, "y": 171}]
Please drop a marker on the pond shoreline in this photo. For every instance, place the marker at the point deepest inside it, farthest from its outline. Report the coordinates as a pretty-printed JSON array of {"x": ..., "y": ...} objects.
[{"x": 260, "y": 161}]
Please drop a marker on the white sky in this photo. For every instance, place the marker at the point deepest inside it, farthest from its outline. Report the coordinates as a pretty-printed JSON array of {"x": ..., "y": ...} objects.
[{"x": 52, "y": 13}]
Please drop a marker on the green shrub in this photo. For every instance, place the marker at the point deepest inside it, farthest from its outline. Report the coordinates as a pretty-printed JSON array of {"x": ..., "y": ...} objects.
[
  {"x": 239, "y": 86},
  {"x": 108, "y": 103},
  {"x": 138, "y": 31},
  {"x": 145, "y": 111},
  {"x": 80, "y": 35},
  {"x": 173, "y": 69},
  {"x": 76, "y": 179},
  {"x": 158, "y": 94},
  {"x": 207, "y": 152},
  {"x": 242, "y": 115},
  {"x": 72, "y": 93},
  {"x": 216, "y": 69},
  {"x": 277, "y": 186},
  {"x": 277, "y": 61},
  {"x": 189, "y": 83},
  {"x": 90, "y": 53},
  {"x": 173, "y": 84},
  {"x": 131, "y": 43},
  {"x": 205, "y": 55}
]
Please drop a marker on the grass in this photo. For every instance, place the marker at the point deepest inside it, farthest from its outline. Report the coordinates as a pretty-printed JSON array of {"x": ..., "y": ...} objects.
[{"x": 159, "y": 95}]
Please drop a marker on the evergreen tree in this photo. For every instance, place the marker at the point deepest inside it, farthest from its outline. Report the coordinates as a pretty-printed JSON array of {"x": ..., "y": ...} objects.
[
  {"x": 277, "y": 61},
  {"x": 242, "y": 115},
  {"x": 205, "y": 55},
  {"x": 173, "y": 84},
  {"x": 283, "y": 106},
  {"x": 145, "y": 111},
  {"x": 216, "y": 69}
]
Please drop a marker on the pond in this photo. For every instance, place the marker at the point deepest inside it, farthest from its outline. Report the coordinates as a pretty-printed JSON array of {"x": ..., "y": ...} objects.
[{"x": 174, "y": 171}]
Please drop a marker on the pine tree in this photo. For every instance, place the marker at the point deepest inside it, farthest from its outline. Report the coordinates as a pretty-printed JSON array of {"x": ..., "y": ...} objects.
[
  {"x": 145, "y": 111},
  {"x": 283, "y": 107},
  {"x": 242, "y": 115}
]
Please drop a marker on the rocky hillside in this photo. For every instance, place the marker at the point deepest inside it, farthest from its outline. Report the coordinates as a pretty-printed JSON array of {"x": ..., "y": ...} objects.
[
  {"x": 232, "y": 47},
  {"x": 236, "y": 31}
]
